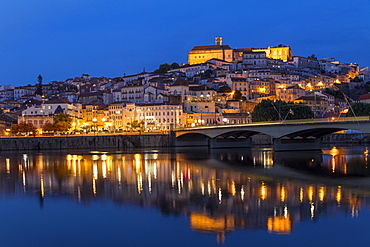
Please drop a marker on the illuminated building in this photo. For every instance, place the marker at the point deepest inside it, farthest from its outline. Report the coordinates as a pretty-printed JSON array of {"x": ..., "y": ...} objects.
[
  {"x": 317, "y": 104},
  {"x": 290, "y": 93},
  {"x": 240, "y": 84},
  {"x": 201, "y": 54},
  {"x": 280, "y": 52},
  {"x": 38, "y": 115}
]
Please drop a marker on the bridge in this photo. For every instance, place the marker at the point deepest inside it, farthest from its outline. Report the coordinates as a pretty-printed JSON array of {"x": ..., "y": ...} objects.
[{"x": 287, "y": 135}]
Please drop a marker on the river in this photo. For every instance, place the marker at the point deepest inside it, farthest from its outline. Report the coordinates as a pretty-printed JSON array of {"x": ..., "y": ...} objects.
[{"x": 185, "y": 197}]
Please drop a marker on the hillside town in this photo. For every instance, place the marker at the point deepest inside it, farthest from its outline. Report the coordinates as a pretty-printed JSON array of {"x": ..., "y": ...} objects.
[{"x": 218, "y": 85}]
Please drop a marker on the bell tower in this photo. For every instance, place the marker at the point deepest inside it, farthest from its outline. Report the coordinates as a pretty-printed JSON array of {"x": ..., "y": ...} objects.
[{"x": 218, "y": 40}]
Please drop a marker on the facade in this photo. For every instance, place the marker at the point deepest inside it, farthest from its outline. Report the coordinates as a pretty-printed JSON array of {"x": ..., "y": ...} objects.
[
  {"x": 201, "y": 54},
  {"x": 306, "y": 63},
  {"x": 290, "y": 93},
  {"x": 38, "y": 115},
  {"x": 240, "y": 84},
  {"x": 280, "y": 52},
  {"x": 318, "y": 105},
  {"x": 133, "y": 94},
  {"x": 255, "y": 59}
]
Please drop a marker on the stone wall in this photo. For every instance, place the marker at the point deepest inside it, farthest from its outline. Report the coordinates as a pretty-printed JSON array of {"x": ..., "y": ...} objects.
[
  {"x": 84, "y": 142},
  {"x": 134, "y": 141}
]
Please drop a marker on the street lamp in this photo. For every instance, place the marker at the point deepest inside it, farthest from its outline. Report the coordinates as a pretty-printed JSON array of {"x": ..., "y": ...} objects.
[
  {"x": 103, "y": 119},
  {"x": 74, "y": 126},
  {"x": 94, "y": 121}
]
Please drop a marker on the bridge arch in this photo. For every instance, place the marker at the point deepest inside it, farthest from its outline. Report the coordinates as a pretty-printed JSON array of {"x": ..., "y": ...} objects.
[
  {"x": 311, "y": 133},
  {"x": 193, "y": 139}
]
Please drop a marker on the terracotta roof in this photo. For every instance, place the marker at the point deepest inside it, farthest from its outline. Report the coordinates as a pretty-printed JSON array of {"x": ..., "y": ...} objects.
[
  {"x": 295, "y": 86},
  {"x": 364, "y": 97},
  {"x": 57, "y": 101},
  {"x": 180, "y": 82},
  {"x": 310, "y": 98},
  {"x": 243, "y": 49},
  {"x": 200, "y": 88},
  {"x": 211, "y": 47}
]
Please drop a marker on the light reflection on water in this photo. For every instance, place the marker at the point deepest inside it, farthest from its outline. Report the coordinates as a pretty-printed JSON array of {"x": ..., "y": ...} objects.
[{"x": 214, "y": 192}]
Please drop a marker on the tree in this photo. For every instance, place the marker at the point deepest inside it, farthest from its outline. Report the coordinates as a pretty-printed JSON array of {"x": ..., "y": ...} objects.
[
  {"x": 269, "y": 110},
  {"x": 356, "y": 79},
  {"x": 174, "y": 65},
  {"x": 313, "y": 56},
  {"x": 39, "y": 86},
  {"x": 237, "y": 95},
  {"x": 163, "y": 68},
  {"x": 62, "y": 122},
  {"x": 208, "y": 73},
  {"x": 224, "y": 89},
  {"x": 137, "y": 124},
  {"x": 48, "y": 127},
  {"x": 359, "y": 109},
  {"x": 23, "y": 127},
  {"x": 336, "y": 93},
  {"x": 73, "y": 88},
  {"x": 367, "y": 86}
]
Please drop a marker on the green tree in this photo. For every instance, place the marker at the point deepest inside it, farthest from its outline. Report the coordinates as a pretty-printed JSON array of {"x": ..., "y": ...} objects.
[
  {"x": 23, "y": 127},
  {"x": 163, "y": 68},
  {"x": 269, "y": 110},
  {"x": 39, "y": 86},
  {"x": 356, "y": 79},
  {"x": 237, "y": 95},
  {"x": 73, "y": 88},
  {"x": 359, "y": 109},
  {"x": 367, "y": 86},
  {"x": 174, "y": 65},
  {"x": 224, "y": 89},
  {"x": 49, "y": 127},
  {"x": 336, "y": 93},
  {"x": 62, "y": 122},
  {"x": 208, "y": 73},
  {"x": 137, "y": 124},
  {"x": 313, "y": 56}
]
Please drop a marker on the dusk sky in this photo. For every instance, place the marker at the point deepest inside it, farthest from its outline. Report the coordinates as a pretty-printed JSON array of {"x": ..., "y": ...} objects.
[{"x": 62, "y": 39}]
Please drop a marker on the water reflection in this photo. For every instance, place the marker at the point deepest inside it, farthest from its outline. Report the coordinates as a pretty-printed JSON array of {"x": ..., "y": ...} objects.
[{"x": 219, "y": 190}]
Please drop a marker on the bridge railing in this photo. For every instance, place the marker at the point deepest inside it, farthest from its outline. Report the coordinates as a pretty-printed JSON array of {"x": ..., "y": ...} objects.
[{"x": 296, "y": 121}]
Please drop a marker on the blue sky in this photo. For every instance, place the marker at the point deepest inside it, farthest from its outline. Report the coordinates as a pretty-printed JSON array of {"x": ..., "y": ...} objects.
[{"x": 61, "y": 39}]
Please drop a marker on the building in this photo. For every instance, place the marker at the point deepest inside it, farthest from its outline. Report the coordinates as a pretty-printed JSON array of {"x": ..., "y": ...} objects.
[
  {"x": 201, "y": 54},
  {"x": 318, "y": 105},
  {"x": 38, "y": 115},
  {"x": 280, "y": 52},
  {"x": 306, "y": 63},
  {"x": 289, "y": 94},
  {"x": 240, "y": 84}
]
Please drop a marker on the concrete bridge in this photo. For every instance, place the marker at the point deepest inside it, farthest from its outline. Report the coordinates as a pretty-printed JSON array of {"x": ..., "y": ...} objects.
[{"x": 287, "y": 135}]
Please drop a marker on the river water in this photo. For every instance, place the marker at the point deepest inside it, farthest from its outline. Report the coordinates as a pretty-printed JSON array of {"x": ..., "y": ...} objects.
[{"x": 185, "y": 197}]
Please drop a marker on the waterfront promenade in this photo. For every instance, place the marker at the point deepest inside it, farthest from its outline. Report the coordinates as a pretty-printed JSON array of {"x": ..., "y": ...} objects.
[
  {"x": 307, "y": 128},
  {"x": 137, "y": 140}
]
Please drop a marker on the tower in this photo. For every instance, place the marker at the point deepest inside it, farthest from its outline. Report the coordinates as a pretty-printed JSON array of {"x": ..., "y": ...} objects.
[{"x": 218, "y": 40}]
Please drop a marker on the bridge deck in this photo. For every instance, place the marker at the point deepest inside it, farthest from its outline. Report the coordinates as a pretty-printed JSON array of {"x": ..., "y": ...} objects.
[{"x": 278, "y": 129}]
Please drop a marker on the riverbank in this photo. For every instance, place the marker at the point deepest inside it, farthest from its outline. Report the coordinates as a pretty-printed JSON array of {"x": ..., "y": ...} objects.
[{"x": 85, "y": 142}]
